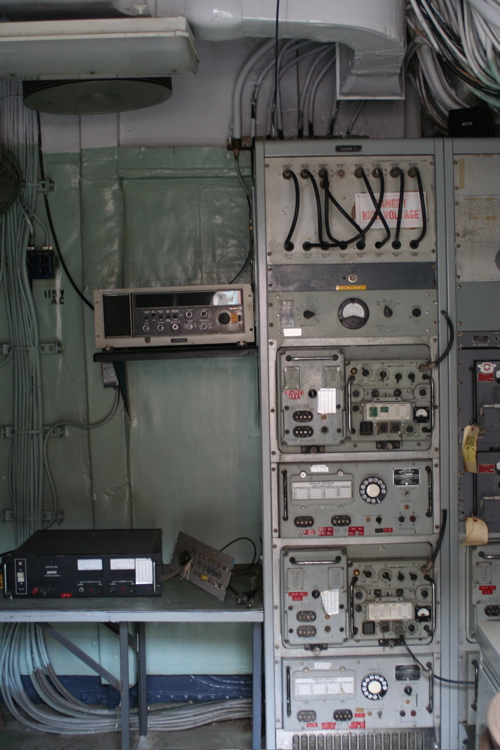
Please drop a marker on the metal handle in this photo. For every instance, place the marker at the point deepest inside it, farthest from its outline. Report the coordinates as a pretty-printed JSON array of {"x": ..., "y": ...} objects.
[
  {"x": 350, "y": 609},
  {"x": 487, "y": 497},
  {"x": 488, "y": 557},
  {"x": 430, "y": 705},
  {"x": 487, "y": 406},
  {"x": 474, "y": 663},
  {"x": 431, "y": 387},
  {"x": 348, "y": 402},
  {"x": 288, "y": 692},
  {"x": 284, "y": 474},
  {"x": 430, "y": 491},
  {"x": 316, "y": 562},
  {"x": 311, "y": 359}
]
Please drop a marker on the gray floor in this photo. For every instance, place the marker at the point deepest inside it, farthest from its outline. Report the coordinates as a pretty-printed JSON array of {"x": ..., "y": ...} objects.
[{"x": 225, "y": 735}]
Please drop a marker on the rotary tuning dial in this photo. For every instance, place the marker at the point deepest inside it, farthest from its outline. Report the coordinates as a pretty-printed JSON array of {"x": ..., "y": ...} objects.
[
  {"x": 373, "y": 490},
  {"x": 374, "y": 687}
]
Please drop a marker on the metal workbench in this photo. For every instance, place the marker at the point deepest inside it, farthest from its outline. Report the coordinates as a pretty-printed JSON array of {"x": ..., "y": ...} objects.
[{"x": 180, "y": 602}]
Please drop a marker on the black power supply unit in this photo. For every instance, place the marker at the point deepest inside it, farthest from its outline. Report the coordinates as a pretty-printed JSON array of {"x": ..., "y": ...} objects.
[{"x": 85, "y": 563}]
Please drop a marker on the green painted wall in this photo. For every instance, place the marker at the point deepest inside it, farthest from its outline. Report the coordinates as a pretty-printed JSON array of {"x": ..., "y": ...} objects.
[{"x": 187, "y": 458}]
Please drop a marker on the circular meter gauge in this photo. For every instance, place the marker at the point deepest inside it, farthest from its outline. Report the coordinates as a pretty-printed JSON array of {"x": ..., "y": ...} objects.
[{"x": 353, "y": 313}]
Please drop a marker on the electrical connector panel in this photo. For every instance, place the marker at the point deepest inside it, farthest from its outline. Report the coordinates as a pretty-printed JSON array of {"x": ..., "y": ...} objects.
[
  {"x": 204, "y": 566},
  {"x": 325, "y": 209}
]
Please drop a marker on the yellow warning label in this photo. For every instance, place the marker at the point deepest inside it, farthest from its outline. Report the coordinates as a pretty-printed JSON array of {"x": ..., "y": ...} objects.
[
  {"x": 469, "y": 448},
  {"x": 234, "y": 317},
  {"x": 350, "y": 287}
]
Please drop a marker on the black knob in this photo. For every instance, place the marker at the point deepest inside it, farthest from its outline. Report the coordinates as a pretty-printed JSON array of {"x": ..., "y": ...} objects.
[
  {"x": 365, "y": 372},
  {"x": 313, "y": 393},
  {"x": 224, "y": 318},
  {"x": 416, "y": 312},
  {"x": 387, "y": 312},
  {"x": 383, "y": 374},
  {"x": 400, "y": 576},
  {"x": 397, "y": 392},
  {"x": 375, "y": 393},
  {"x": 315, "y": 594},
  {"x": 309, "y": 314},
  {"x": 377, "y": 593},
  {"x": 408, "y": 690},
  {"x": 399, "y": 592},
  {"x": 398, "y": 377},
  {"x": 386, "y": 575}
]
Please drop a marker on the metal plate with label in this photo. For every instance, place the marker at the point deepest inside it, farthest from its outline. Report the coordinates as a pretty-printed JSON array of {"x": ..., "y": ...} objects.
[
  {"x": 344, "y": 499},
  {"x": 321, "y": 693}
]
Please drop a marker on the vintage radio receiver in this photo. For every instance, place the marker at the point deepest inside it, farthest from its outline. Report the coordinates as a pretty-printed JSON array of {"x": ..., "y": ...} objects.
[
  {"x": 85, "y": 563},
  {"x": 174, "y": 316}
]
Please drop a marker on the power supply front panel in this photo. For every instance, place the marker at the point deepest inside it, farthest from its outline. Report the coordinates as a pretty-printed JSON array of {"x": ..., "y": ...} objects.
[{"x": 352, "y": 322}]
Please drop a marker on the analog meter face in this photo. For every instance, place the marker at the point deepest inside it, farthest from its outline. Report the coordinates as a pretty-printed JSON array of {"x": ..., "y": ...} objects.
[{"x": 353, "y": 313}]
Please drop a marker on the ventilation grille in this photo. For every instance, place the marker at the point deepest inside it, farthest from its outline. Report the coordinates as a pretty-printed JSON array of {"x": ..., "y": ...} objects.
[
  {"x": 10, "y": 179},
  {"x": 417, "y": 739}
]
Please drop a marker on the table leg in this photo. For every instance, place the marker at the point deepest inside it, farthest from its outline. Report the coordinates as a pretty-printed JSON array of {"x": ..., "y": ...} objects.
[
  {"x": 142, "y": 688},
  {"x": 257, "y": 686},
  {"x": 124, "y": 679}
]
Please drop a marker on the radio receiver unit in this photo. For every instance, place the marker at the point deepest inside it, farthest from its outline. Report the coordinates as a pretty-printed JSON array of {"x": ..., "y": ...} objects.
[{"x": 173, "y": 316}]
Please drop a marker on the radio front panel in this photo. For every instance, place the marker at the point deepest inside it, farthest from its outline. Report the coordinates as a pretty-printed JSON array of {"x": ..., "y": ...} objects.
[
  {"x": 354, "y": 399},
  {"x": 346, "y": 499},
  {"x": 335, "y": 596},
  {"x": 353, "y": 693},
  {"x": 174, "y": 316},
  {"x": 483, "y": 586}
]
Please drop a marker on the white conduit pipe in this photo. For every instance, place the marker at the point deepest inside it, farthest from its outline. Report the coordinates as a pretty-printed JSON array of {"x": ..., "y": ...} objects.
[
  {"x": 238, "y": 88},
  {"x": 371, "y": 33}
]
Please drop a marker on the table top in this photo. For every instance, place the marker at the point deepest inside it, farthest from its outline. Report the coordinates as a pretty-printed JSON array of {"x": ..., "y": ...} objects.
[{"x": 181, "y": 601}]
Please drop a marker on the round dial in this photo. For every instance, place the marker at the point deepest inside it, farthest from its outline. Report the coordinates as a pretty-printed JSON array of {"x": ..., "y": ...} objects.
[
  {"x": 373, "y": 490},
  {"x": 353, "y": 313},
  {"x": 374, "y": 687}
]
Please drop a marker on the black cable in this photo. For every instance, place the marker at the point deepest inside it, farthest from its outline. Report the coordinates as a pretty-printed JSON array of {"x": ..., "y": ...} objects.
[
  {"x": 444, "y": 518},
  {"x": 325, "y": 184},
  {"x": 322, "y": 244},
  {"x": 289, "y": 174},
  {"x": 377, "y": 205},
  {"x": 243, "y": 539},
  {"x": 51, "y": 223},
  {"x": 361, "y": 234},
  {"x": 451, "y": 339},
  {"x": 415, "y": 172},
  {"x": 395, "y": 172},
  {"x": 429, "y": 671}
]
